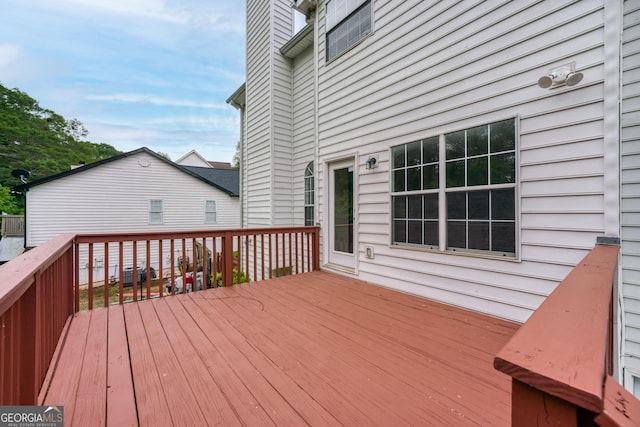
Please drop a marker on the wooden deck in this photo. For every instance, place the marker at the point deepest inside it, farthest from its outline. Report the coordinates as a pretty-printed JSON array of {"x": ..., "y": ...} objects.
[{"x": 316, "y": 349}]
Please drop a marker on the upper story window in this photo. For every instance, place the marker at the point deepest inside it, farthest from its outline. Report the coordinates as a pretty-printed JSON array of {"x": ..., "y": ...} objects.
[
  {"x": 210, "y": 212},
  {"x": 155, "y": 212},
  {"x": 473, "y": 200},
  {"x": 347, "y": 21},
  {"x": 309, "y": 196}
]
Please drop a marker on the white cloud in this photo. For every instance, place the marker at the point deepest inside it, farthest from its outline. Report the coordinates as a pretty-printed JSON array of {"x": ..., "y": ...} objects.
[
  {"x": 155, "y": 100},
  {"x": 145, "y": 9}
]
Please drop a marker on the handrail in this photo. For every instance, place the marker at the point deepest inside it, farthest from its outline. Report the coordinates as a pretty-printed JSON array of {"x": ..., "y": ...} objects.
[
  {"x": 151, "y": 261},
  {"x": 39, "y": 290},
  {"x": 35, "y": 303},
  {"x": 561, "y": 356}
]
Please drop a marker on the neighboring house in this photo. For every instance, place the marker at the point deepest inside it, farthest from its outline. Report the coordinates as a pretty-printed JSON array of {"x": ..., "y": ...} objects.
[
  {"x": 437, "y": 155},
  {"x": 193, "y": 158},
  {"x": 136, "y": 191}
]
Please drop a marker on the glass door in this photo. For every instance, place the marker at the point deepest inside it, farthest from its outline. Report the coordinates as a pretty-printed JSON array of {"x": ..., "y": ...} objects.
[{"x": 341, "y": 214}]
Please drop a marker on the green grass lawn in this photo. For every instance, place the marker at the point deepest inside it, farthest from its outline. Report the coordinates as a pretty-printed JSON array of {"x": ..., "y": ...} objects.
[{"x": 114, "y": 293}]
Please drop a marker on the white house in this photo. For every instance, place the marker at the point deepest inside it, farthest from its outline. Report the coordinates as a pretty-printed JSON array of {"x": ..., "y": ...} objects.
[
  {"x": 193, "y": 158},
  {"x": 136, "y": 191},
  {"x": 469, "y": 152}
]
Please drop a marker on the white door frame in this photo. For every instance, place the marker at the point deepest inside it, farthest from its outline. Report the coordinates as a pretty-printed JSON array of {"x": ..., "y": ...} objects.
[{"x": 335, "y": 259}]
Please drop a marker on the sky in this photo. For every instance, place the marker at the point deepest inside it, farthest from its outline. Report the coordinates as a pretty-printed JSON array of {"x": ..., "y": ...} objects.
[{"x": 136, "y": 73}]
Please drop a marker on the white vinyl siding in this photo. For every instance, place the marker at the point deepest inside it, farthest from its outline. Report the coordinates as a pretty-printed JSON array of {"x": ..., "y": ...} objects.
[
  {"x": 104, "y": 200},
  {"x": 268, "y": 153},
  {"x": 303, "y": 128},
  {"x": 258, "y": 151},
  {"x": 432, "y": 68},
  {"x": 630, "y": 187}
]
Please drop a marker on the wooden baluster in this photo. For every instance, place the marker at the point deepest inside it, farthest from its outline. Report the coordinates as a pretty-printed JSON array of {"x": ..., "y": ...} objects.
[
  {"x": 290, "y": 259},
  {"x": 194, "y": 264},
  {"x": 160, "y": 267},
  {"x": 90, "y": 275},
  {"x": 205, "y": 259},
  {"x": 120, "y": 273},
  {"x": 297, "y": 251},
  {"x": 277, "y": 256},
  {"x": 255, "y": 258},
  {"x": 214, "y": 262},
  {"x": 184, "y": 266},
  {"x": 105, "y": 265},
  {"x": 262, "y": 254},
  {"x": 134, "y": 273},
  {"x": 173, "y": 267},
  {"x": 246, "y": 260},
  {"x": 148, "y": 270}
]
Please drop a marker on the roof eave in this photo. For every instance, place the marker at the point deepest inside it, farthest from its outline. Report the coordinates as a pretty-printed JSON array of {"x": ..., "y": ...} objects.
[
  {"x": 298, "y": 43},
  {"x": 304, "y": 6},
  {"x": 239, "y": 98}
]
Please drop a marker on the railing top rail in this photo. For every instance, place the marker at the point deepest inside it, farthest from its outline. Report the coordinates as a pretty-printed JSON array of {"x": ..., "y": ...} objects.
[
  {"x": 562, "y": 348},
  {"x": 157, "y": 235},
  {"x": 18, "y": 274}
]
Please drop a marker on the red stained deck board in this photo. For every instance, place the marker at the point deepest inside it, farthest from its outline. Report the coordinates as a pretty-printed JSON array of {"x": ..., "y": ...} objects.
[
  {"x": 151, "y": 399},
  {"x": 309, "y": 377},
  {"x": 238, "y": 356},
  {"x": 207, "y": 394},
  {"x": 314, "y": 349},
  {"x": 351, "y": 378},
  {"x": 121, "y": 405},
  {"x": 433, "y": 322},
  {"x": 396, "y": 368},
  {"x": 219, "y": 357},
  {"x": 62, "y": 390},
  {"x": 171, "y": 370},
  {"x": 92, "y": 385}
]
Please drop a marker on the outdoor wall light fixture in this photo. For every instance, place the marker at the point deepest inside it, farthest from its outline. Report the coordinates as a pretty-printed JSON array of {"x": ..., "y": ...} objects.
[
  {"x": 371, "y": 163},
  {"x": 564, "y": 75}
]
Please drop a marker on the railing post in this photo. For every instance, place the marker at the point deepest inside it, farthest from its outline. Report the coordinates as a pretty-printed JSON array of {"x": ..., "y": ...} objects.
[
  {"x": 316, "y": 249},
  {"x": 27, "y": 354},
  {"x": 531, "y": 408},
  {"x": 227, "y": 259}
]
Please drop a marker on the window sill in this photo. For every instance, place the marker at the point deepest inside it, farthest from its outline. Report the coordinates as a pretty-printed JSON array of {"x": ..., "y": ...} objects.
[{"x": 459, "y": 253}]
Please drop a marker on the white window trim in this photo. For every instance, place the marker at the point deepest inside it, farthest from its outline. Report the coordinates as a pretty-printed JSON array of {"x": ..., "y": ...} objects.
[
  {"x": 356, "y": 43},
  {"x": 312, "y": 205},
  {"x": 207, "y": 212},
  {"x": 442, "y": 191},
  {"x": 151, "y": 212}
]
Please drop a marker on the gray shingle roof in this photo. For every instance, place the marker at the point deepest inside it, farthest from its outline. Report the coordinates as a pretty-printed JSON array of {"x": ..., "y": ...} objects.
[{"x": 228, "y": 179}]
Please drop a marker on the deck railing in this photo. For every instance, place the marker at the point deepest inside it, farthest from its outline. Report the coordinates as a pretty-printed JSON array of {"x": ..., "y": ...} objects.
[
  {"x": 36, "y": 300},
  {"x": 561, "y": 359},
  {"x": 116, "y": 268},
  {"x": 41, "y": 289}
]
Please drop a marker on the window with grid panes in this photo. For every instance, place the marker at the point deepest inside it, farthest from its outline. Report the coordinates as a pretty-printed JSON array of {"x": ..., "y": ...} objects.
[
  {"x": 347, "y": 21},
  {"x": 478, "y": 192},
  {"x": 309, "y": 197}
]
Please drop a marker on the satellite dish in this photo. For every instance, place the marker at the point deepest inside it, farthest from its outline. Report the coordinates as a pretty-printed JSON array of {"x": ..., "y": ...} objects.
[{"x": 21, "y": 174}]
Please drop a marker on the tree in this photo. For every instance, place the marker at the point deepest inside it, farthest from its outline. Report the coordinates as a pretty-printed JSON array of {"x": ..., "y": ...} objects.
[
  {"x": 236, "y": 157},
  {"x": 7, "y": 202},
  {"x": 40, "y": 140}
]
